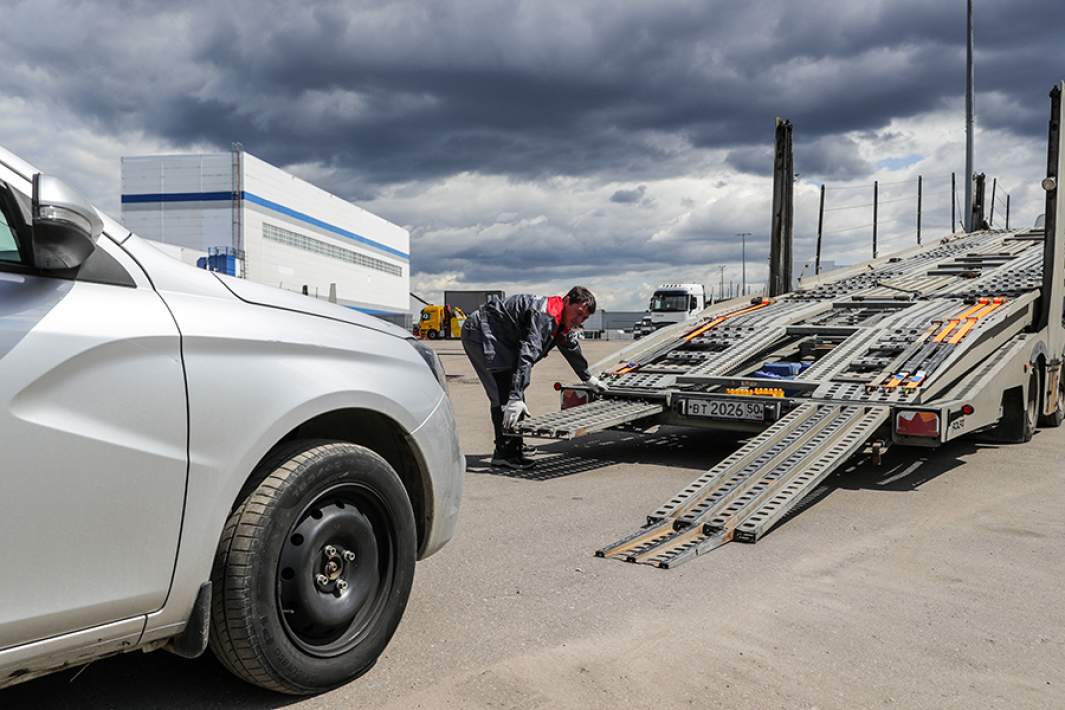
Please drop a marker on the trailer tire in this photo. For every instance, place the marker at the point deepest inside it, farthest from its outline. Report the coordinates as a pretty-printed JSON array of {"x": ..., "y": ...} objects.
[
  {"x": 1018, "y": 421},
  {"x": 1055, "y": 419},
  {"x": 313, "y": 569},
  {"x": 1031, "y": 408}
]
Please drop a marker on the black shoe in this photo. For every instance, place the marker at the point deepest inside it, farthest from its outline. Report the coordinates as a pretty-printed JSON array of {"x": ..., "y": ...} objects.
[
  {"x": 524, "y": 460},
  {"x": 515, "y": 462}
]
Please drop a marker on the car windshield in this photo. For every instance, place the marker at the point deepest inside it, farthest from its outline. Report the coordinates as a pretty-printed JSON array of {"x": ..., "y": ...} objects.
[{"x": 669, "y": 301}]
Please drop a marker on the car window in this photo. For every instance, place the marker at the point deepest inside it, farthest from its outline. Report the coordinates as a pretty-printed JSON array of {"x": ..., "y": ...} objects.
[{"x": 8, "y": 243}]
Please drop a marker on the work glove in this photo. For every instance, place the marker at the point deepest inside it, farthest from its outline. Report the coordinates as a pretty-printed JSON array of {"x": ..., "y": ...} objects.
[
  {"x": 513, "y": 412},
  {"x": 596, "y": 384}
]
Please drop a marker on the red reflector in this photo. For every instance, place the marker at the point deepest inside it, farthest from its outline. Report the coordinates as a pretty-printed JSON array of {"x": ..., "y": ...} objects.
[
  {"x": 967, "y": 409},
  {"x": 912, "y": 423},
  {"x": 573, "y": 398},
  {"x": 558, "y": 386}
]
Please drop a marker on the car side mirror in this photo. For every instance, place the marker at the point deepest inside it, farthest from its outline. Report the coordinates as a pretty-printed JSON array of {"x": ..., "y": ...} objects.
[{"x": 65, "y": 225}]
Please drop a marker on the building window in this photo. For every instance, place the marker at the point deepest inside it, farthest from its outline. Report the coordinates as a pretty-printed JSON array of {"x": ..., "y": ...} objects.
[{"x": 315, "y": 246}]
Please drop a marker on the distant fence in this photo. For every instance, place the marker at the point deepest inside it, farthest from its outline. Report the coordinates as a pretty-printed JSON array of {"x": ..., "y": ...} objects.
[{"x": 845, "y": 210}]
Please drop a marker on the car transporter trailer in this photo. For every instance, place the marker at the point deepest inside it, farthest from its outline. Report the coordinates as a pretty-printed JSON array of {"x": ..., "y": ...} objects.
[{"x": 959, "y": 337}]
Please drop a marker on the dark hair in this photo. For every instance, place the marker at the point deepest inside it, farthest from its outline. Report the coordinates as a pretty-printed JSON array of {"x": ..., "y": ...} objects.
[{"x": 578, "y": 295}]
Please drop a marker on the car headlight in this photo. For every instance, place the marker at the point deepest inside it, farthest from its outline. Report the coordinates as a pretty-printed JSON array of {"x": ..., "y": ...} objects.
[{"x": 432, "y": 360}]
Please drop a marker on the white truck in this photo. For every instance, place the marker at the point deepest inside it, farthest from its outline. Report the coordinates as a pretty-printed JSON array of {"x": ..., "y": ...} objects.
[{"x": 671, "y": 303}]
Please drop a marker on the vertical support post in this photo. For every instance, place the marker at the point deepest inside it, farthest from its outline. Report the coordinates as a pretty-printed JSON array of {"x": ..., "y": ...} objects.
[
  {"x": 237, "y": 151},
  {"x": 968, "y": 214},
  {"x": 1049, "y": 314},
  {"x": 953, "y": 202},
  {"x": 820, "y": 227},
  {"x": 919, "y": 185},
  {"x": 876, "y": 200},
  {"x": 1007, "y": 210},
  {"x": 783, "y": 190},
  {"x": 991, "y": 217},
  {"x": 721, "y": 288},
  {"x": 743, "y": 237},
  {"x": 976, "y": 219}
]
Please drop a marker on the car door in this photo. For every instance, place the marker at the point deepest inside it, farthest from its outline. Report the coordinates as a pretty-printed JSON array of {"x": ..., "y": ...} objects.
[{"x": 93, "y": 440}]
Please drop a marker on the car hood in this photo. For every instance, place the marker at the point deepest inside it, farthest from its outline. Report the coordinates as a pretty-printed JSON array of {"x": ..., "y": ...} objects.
[{"x": 260, "y": 295}]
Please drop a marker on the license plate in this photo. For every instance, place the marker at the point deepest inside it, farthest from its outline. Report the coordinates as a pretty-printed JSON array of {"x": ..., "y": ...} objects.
[{"x": 725, "y": 409}]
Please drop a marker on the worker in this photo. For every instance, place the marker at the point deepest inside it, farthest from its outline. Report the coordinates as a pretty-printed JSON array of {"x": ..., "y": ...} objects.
[{"x": 505, "y": 338}]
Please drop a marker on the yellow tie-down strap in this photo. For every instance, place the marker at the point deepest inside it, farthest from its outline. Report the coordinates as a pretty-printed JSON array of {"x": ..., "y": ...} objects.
[
  {"x": 755, "y": 391},
  {"x": 962, "y": 323},
  {"x": 952, "y": 333}
]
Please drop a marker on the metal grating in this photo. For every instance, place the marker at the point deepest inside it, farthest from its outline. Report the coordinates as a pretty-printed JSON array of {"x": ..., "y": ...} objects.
[{"x": 586, "y": 419}]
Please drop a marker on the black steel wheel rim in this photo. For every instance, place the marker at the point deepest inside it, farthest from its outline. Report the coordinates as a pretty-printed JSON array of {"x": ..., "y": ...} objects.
[{"x": 336, "y": 566}]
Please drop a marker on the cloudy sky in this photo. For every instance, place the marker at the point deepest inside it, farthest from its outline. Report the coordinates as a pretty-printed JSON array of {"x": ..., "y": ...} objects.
[{"x": 532, "y": 145}]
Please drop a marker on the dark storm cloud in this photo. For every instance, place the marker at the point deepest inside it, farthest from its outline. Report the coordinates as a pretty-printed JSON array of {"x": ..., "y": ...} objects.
[
  {"x": 625, "y": 197},
  {"x": 400, "y": 91},
  {"x": 398, "y": 95},
  {"x": 753, "y": 159}
]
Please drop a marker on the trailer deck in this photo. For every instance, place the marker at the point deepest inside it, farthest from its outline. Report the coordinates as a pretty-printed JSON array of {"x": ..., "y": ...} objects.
[{"x": 943, "y": 341}]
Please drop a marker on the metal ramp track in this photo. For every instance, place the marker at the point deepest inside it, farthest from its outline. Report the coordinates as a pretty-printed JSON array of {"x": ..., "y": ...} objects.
[
  {"x": 588, "y": 418},
  {"x": 746, "y": 494}
]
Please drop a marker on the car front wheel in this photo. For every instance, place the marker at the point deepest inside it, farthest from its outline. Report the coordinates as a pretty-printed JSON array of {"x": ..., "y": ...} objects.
[{"x": 313, "y": 570}]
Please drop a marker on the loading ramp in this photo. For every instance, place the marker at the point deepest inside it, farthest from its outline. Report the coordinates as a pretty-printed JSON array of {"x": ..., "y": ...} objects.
[{"x": 746, "y": 494}]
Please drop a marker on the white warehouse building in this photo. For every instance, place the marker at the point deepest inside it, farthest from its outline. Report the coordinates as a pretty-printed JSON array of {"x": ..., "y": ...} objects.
[{"x": 235, "y": 213}]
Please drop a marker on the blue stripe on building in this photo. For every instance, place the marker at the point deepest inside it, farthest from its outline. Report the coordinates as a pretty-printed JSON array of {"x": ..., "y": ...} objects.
[
  {"x": 177, "y": 197},
  {"x": 263, "y": 202}
]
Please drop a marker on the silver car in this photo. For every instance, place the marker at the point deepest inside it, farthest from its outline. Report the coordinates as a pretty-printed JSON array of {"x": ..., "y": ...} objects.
[{"x": 194, "y": 460}]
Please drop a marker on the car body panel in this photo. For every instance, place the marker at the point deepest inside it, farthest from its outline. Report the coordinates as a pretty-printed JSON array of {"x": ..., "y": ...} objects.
[
  {"x": 94, "y": 470},
  {"x": 441, "y": 452},
  {"x": 334, "y": 359}
]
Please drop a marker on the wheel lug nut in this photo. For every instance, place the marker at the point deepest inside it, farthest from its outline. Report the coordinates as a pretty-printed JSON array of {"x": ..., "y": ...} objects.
[
  {"x": 330, "y": 551},
  {"x": 349, "y": 555},
  {"x": 321, "y": 579},
  {"x": 342, "y": 585}
]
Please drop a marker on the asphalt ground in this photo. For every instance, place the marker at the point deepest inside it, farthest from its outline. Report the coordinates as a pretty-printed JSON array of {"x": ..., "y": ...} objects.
[{"x": 932, "y": 581}]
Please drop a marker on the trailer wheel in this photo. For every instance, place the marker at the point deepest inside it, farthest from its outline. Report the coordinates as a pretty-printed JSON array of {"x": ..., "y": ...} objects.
[
  {"x": 1058, "y": 416},
  {"x": 1031, "y": 408},
  {"x": 1019, "y": 414},
  {"x": 313, "y": 569}
]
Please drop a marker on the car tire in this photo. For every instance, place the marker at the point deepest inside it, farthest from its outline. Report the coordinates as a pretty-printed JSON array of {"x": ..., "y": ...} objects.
[
  {"x": 313, "y": 569},
  {"x": 432, "y": 334}
]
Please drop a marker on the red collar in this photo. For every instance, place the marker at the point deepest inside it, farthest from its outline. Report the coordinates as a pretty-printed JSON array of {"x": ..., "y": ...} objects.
[{"x": 554, "y": 307}]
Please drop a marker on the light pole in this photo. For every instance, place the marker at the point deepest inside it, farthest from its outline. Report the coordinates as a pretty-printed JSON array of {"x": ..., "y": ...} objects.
[
  {"x": 967, "y": 217},
  {"x": 743, "y": 281}
]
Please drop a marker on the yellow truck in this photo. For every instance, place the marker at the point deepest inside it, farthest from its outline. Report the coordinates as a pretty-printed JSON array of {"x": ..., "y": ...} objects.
[{"x": 441, "y": 322}]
